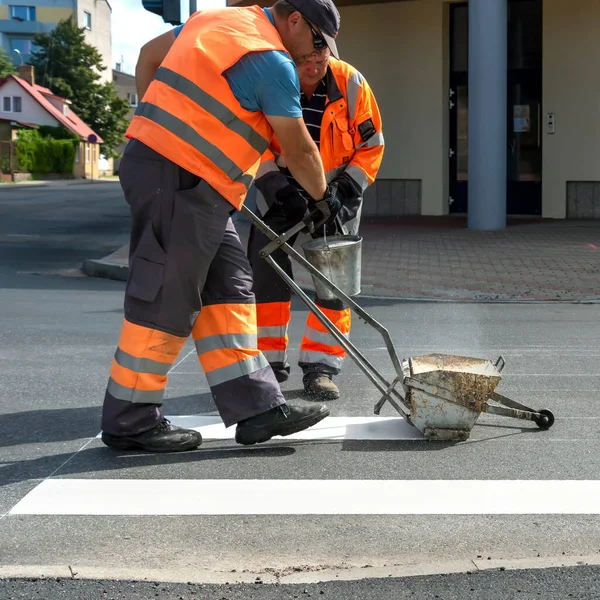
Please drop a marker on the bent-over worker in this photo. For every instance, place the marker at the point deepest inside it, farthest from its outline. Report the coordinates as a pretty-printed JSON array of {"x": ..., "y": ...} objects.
[
  {"x": 344, "y": 121},
  {"x": 214, "y": 91}
]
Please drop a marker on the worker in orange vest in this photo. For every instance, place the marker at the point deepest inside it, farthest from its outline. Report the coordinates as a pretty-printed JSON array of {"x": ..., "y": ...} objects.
[
  {"x": 344, "y": 121},
  {"x": 214, "y": 92}
]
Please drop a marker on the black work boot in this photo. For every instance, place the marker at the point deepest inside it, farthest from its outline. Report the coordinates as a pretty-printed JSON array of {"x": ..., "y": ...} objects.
[
  {"x": 281, "y": 371},
  {"x": 162, "y": 438},
  {"x": 283, "y": 420},
  {"x": 320, "y": 386}
]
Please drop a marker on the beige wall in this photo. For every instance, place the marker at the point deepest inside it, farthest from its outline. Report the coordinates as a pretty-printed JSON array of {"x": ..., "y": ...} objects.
[
  {"x": 572, "y": 92},
  {"x": 86, "y": 161},
  {"x": 402, "y": 53},
  {"x": 52, "y": 14},
  {"x": 100, "y": 34}
]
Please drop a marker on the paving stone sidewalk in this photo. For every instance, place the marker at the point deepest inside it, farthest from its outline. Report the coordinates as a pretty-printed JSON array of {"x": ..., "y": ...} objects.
[{"x": 438, "y": 258}]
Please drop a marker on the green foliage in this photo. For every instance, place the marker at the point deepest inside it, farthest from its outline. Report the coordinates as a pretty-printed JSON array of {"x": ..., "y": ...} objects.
[
  {"x": 6, "y": 66},
  {"x": 37, "y": 154},
  {"x": 71, "y": 69},
  {"x": 4, "y": 164},
  {"x": 57, "y": 133}
]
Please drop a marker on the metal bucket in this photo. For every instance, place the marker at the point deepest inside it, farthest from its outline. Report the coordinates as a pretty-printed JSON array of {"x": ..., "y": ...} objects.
[{"x": 339, "y": 259}]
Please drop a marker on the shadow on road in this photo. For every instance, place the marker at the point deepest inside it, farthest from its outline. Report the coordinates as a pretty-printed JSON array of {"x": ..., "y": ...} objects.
[{"x": 68, "y": 424}]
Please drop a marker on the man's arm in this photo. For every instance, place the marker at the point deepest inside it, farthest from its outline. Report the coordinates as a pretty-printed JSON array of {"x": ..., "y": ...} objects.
[
  {"x": 301, "y": 154},
  {"x": 268, "y": 82},
  {"x": 151, "y": 56},
  {"x": 365, "y": 119}
]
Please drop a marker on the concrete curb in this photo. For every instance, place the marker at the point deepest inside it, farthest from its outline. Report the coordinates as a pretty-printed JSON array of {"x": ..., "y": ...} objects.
[
  {"x": 54, "y": 184},
  {"x": 291, "y": 576},
  {"x": 105, "y": 269},
  {"x": 22, "y": 186}
]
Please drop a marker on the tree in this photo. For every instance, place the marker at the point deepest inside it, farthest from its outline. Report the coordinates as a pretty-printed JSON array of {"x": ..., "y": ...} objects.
[
  {"x": 6, "y": 66},
  {"x": 71, "y": 68}
]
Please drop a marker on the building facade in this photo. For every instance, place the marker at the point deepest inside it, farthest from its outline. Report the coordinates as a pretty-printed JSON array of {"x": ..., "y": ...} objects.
[
  {"x": 496, "y": 100},
  {"x": 19, "y": 22},
  {"x": 125, "y": 86}
]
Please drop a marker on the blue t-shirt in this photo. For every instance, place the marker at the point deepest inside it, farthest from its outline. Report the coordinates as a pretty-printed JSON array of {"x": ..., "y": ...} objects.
[{"x": 265, "y": 81}]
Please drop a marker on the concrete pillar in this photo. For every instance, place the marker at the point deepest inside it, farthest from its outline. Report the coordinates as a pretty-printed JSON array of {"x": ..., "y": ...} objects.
[{"x": 487, "y": 113}]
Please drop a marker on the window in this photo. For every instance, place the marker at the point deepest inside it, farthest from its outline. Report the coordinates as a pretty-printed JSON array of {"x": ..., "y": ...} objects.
[
  {"x": 12, "y": 104},
  {"x": 87, "y": 153},
  {"x": 22, "y": 13},
  {"x": 87, "y": 20},
  {"x": 65, "y": 110},
  {"x": 77, "y": 153},
  {"x": 133, "y": 99},
  {"x": 22, "y": 45}
]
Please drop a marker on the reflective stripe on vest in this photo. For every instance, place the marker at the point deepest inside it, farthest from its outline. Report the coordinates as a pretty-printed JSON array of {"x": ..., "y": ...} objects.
[
  {"x": 189, "y": 114},
  {"x": 141, "y": 364}
]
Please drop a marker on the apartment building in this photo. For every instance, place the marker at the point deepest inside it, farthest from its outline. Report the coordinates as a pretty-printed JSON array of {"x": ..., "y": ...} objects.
[{"x": 20, "y": 20}]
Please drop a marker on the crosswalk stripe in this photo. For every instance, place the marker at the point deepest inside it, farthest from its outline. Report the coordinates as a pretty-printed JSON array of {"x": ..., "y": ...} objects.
[
  {"x": 314, "y": 497},
  {"x": 331, "y": 428}
]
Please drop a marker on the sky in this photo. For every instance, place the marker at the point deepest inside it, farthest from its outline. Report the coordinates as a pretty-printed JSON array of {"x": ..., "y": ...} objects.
[{"x": 132, "y": 27}]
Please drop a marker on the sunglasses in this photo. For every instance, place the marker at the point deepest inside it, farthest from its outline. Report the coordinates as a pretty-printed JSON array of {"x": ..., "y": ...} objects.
[{"x": 319, "y": 42}]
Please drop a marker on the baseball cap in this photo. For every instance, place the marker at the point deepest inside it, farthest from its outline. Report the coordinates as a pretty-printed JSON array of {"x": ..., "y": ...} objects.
[{"x": 325, "y": 15}]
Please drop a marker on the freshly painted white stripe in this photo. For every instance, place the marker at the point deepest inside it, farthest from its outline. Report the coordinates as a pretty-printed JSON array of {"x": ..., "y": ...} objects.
[
  {"x": 297, "y": 497},
  {"x": 331, "y": 428}
]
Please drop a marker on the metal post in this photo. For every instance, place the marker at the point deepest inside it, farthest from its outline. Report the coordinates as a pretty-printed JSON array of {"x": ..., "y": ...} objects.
[{"x": 487, "y": 113}]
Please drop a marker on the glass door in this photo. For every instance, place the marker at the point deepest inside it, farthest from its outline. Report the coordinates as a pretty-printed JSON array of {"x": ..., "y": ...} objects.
[{"x": 524, "y": 108}]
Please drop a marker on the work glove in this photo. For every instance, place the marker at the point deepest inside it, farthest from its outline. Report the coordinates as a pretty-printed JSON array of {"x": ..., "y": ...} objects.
[
  {"x": 334, "y": 202},
  {"x": 292, "y": 203}
]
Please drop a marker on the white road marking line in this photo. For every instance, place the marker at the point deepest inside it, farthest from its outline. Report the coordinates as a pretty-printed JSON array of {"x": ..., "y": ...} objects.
[
  {"x": 331, "y": 428},
  {"x": 298, "y": 497},
  {"x": 89, "y": 441},
  {"x": 192, "y": 351}
]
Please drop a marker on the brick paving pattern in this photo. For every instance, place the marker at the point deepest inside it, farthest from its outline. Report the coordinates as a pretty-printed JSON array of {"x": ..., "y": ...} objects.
[
  {"x": 439, "y": 258},
  {"x": 442, "y": 259}
]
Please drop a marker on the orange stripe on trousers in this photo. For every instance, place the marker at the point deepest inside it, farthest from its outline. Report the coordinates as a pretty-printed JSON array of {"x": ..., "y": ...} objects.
[
  {"x": 272, "y": 343},
  {"x": 219, "y": 319},
  {"x": 223, "y": 357},
  {"x": 144, "y": 342},
  {"x": 273, "y": 314},
  {"x": 340, "y": 318},
  {"x": 310, "y": 346}
]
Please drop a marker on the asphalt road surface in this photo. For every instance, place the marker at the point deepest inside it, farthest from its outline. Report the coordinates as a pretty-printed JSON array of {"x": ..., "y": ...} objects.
[{"x": 363, "y": 498}]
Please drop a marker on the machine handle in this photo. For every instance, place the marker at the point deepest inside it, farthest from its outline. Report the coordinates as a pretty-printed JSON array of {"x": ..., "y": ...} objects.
[{"x": 497, "y": 364}]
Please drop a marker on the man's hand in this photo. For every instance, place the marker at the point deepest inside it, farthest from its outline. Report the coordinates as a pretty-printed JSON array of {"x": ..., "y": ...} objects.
[
  {"x": 292, "y": 203},
  {"x": 151, "y": 56},
  {"x": 334, "y": 204},
  {"x": 301, "y": 154}
]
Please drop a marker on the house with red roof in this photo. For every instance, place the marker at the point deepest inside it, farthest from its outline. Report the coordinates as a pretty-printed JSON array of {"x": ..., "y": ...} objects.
[{"x": 23, "y": 103}]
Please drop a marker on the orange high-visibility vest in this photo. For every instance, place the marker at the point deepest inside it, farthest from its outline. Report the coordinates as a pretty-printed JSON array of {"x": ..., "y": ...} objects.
[{"x": 189, "y": 114}]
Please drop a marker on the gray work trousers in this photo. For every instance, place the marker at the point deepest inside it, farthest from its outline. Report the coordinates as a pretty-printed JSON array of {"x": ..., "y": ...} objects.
[{"x": 188, "y": 274}]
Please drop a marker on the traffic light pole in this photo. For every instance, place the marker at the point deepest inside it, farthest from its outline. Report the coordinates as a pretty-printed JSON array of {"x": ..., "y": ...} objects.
[{"x": 171, "y": 11}]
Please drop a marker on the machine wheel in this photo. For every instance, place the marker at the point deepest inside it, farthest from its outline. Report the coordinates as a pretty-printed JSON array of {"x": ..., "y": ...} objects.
[{"x": 545, "y": 420}]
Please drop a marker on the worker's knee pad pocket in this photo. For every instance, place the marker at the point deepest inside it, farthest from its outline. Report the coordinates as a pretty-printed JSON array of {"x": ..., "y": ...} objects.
[{"x": 147, "y": 268}]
